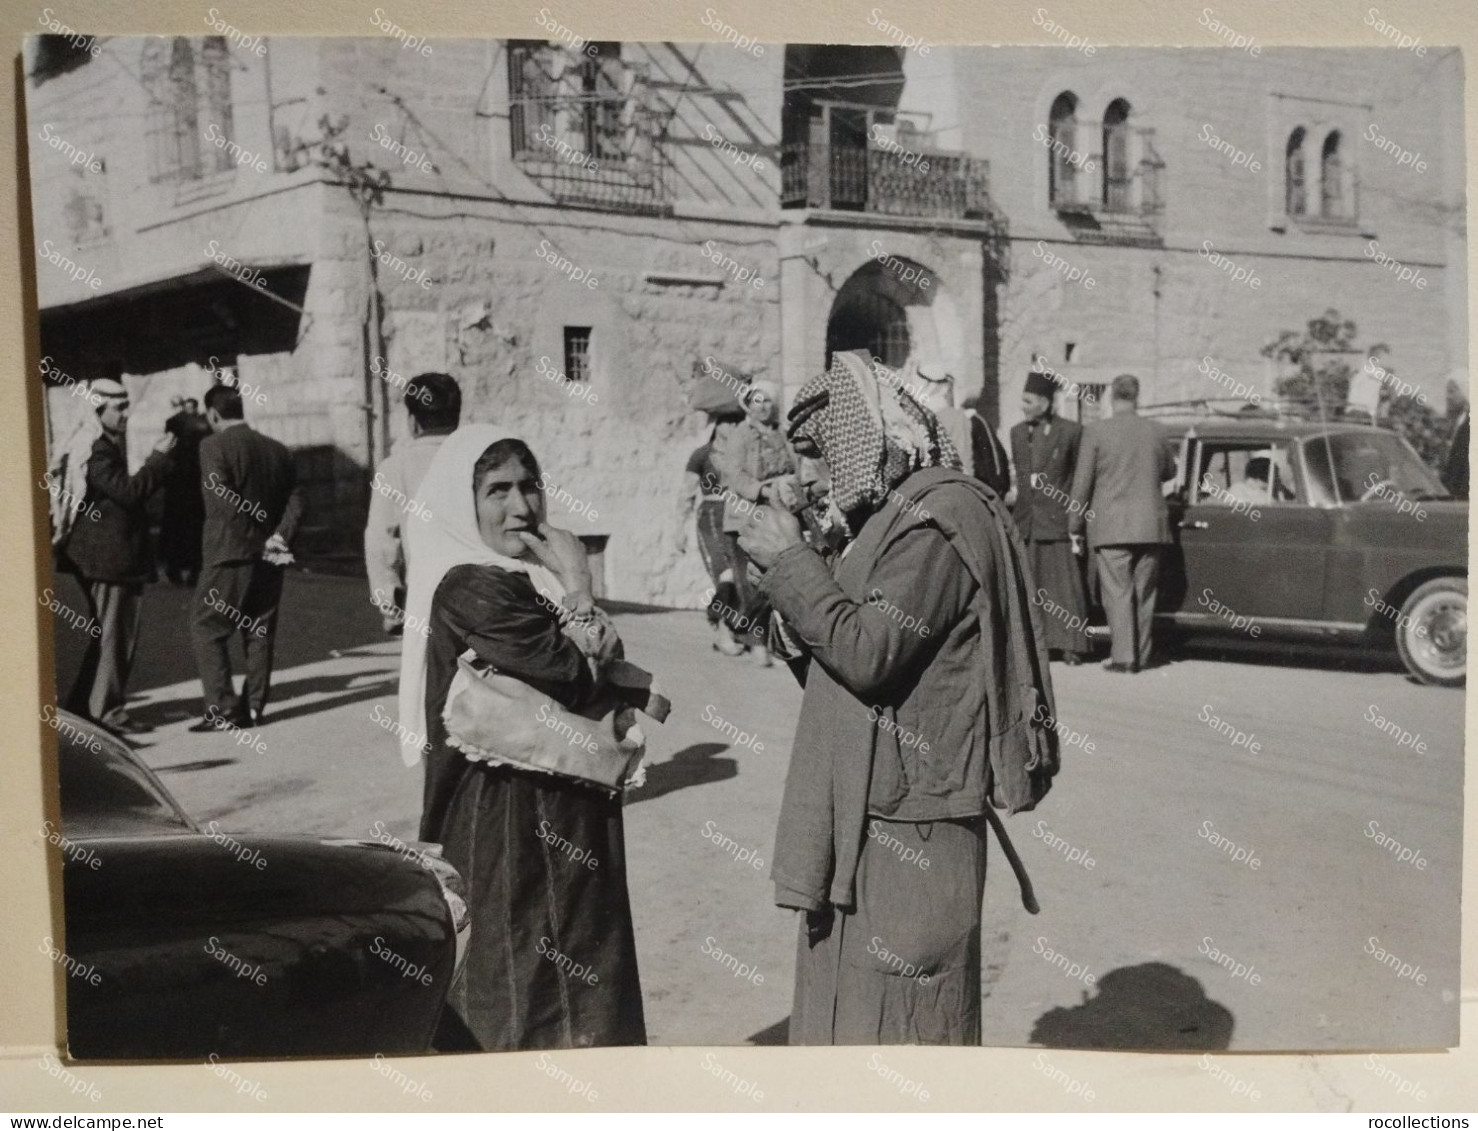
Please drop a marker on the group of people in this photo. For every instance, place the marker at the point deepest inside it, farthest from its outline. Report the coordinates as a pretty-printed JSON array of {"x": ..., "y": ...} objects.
[
  {"x": 911, "y": 729},
  {"x": 1071, "y": 489},
  {"x": 1095, "y": 487},
  {"x": 876, "y": 496},
  {"x": 746, "y": 464},
  {"x": 231, "y": 510}
]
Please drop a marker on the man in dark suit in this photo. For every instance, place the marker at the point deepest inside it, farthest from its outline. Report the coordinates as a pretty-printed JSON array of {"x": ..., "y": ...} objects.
[
  {"x": 1044, "y": 451},
  {"x": 1121, "y": 465},
  {"x": 107, "y": 546},
  {"x": 252, "y": 510},
  {"x": 184, "y": 513}
]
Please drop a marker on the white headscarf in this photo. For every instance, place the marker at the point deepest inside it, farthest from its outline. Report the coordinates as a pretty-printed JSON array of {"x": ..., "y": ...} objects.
[
  {"x": 439, "y": 535},
  {"x": 69, "y": 471}
]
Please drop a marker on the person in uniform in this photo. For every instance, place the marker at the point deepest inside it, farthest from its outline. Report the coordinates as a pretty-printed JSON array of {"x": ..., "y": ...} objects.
[{"x": 1044, "y": 451}]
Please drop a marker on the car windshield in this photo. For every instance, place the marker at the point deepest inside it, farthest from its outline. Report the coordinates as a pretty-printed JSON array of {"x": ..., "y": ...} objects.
[{"x": 1369, "y": 466}]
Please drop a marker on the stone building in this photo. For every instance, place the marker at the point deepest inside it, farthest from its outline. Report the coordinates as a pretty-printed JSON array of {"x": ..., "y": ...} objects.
[{"x": 571, "y": 227}]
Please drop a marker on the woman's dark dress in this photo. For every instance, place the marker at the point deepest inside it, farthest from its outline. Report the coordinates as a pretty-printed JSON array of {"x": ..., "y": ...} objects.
[{"x": 552, "y": 960}]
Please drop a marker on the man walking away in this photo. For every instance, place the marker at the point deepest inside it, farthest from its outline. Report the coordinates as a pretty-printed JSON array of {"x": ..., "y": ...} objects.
[
  {"x": 252, "y": 510},
  {"x": 1121, "y": 465},
  {"x": 434, "y": 403},
  {"x": 104, "y": 539},
  {"x": 1045, "y": 452}
]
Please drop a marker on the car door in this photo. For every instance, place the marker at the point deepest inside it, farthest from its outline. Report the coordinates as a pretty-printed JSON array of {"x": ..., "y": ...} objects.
[{"x": 1250, "y": 544}]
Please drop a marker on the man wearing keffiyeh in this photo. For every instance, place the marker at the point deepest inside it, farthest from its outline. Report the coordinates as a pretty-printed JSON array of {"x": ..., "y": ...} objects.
[{"x": 927, "y": 701}]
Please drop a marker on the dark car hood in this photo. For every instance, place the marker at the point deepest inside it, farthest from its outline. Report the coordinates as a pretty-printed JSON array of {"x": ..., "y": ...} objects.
[{"x": 155, "y": 917}]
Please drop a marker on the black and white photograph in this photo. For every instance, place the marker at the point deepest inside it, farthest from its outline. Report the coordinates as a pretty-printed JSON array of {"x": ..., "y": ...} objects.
[{"x": 563, "y": 543}]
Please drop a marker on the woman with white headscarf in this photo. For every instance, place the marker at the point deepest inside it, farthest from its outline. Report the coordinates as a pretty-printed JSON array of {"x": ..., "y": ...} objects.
[{"x": 552, "y": 962}]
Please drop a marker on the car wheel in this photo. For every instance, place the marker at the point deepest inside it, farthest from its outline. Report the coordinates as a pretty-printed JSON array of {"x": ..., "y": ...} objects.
[{"x": 1432, "y": 632}]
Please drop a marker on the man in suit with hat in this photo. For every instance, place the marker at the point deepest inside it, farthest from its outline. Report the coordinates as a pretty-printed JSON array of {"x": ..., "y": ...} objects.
[{"x": 1044, "y": 450}]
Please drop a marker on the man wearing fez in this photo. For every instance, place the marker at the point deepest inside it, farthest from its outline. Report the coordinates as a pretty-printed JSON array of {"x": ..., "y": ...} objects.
[
  {"x": 1044, "y": 450},
  {"x": 105, "y": 541}
]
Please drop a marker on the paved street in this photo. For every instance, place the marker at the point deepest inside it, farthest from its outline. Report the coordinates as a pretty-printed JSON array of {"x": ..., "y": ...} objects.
[{"x": 1162, "y": 805}]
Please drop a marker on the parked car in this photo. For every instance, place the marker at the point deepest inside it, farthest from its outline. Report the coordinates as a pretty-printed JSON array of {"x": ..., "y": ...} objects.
[
  {"x": 1309, "y": 530},
  {"x": 182, "y": 941}
]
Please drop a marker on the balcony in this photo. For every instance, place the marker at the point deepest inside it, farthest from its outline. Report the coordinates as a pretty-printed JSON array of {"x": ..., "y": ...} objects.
[
  {"x": 1125, "y": 186},
  {"x": 587, "y": 131},
  {"x": 860, "y": 177}
]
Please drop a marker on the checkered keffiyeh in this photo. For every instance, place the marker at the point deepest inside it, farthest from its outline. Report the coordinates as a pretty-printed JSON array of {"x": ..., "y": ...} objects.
[{"x": 871, "y": 433}]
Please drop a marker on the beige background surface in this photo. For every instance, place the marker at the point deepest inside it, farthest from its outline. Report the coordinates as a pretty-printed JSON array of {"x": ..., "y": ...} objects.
[{"x": 645, "y": 1079}]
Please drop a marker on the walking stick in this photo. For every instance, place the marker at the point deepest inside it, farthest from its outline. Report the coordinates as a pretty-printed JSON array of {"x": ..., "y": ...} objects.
[{"x": 1028, "y": 896}]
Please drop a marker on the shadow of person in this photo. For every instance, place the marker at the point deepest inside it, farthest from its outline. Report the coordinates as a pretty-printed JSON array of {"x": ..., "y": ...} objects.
[
  {"x": 334, "y": 691},
  {"x": 693, "y": 765},
  {"x": 1150, "y": 1006},
  {"x": 776, "y": 1034}
]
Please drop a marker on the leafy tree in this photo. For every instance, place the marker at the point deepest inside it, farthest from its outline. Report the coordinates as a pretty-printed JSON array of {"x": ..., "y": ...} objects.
[
  {"x": 1322, "y": 356},
  {"x": 1325, "y": 360}
]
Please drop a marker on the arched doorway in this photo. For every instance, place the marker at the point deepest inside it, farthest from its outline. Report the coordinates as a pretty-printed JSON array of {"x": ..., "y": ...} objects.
[
  {"x": 869, "y": 321},
  {"x": 893, "y": 308}
]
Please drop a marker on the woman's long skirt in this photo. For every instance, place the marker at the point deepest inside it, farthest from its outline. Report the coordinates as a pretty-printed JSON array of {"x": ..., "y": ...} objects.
[
  {"x": 903, "y": 968},
  {"x": 1059, "y": 571},
  {"x": 552, "y": 959}
]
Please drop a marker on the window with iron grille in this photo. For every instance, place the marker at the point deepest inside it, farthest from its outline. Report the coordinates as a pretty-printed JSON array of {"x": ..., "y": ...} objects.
[
  {"x": 577, "y": 354},
  {"x": 580, "y": 124},
  {"x": 188, "y": 92}
]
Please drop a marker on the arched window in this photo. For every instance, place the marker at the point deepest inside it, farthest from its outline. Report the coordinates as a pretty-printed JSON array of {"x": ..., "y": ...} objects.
[
  {"x": 215, "y": 71},
  {"x": 1331, "y": 179},
  {"x": 188, "y": 92},
  {"x": 1295, "y": 180},
  {"x": 1117, "y": 180},
  {"x": 1062, "y": 173}
]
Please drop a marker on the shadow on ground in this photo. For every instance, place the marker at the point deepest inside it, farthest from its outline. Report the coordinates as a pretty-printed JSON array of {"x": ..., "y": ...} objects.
[
  {"x": 776, "y": 1034},
  {"x": 317, "y": 612},
  {"x": 693, "y": 765},
  {"x": 336, "y": 691},
  {"x": 1150, "y": 1006}
]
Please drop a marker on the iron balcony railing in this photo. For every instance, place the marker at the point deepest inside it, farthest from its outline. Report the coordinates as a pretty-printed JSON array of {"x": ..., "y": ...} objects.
[
  {"x": 592, "y": 151},
  {"x": 588, "y": 133},
  {"x": 889, "y": 181}
]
